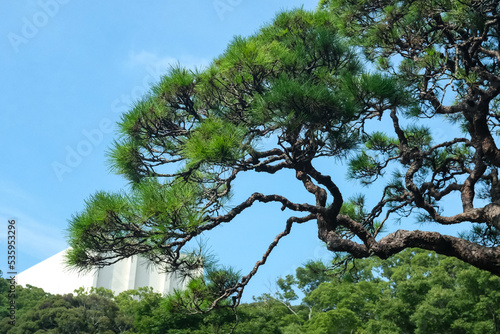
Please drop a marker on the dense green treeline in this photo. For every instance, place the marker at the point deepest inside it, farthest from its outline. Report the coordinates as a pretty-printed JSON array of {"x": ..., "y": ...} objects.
[{"x": 412, "y": 292}]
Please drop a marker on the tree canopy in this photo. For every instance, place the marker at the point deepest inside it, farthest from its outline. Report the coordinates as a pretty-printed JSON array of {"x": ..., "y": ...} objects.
[
  {"x": 299, "y": 83},
  {"x": 414, "y": 291}
]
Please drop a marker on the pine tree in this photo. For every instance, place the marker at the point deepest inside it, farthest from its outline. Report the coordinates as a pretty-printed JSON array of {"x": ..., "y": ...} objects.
[{"x": 299, "y": 82}]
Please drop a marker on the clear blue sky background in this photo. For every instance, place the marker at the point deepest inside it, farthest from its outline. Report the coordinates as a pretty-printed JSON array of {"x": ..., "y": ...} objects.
[{"x": 69, "y": 68}]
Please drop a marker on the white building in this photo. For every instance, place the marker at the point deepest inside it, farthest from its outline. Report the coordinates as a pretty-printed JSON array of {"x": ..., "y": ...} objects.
[{"x": 52, "y": 276}]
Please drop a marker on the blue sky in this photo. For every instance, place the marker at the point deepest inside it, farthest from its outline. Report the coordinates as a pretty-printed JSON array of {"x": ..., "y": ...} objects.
[{"x": 70, "y": 68}]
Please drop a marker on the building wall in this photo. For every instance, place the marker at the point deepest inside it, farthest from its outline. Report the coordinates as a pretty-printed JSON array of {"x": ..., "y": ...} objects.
[{"x": 52, "y": 276}]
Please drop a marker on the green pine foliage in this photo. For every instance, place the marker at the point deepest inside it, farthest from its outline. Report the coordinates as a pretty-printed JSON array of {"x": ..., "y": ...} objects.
[
  {"x": 215, "y": 141},
  {"x": 162, "y": 211}
]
